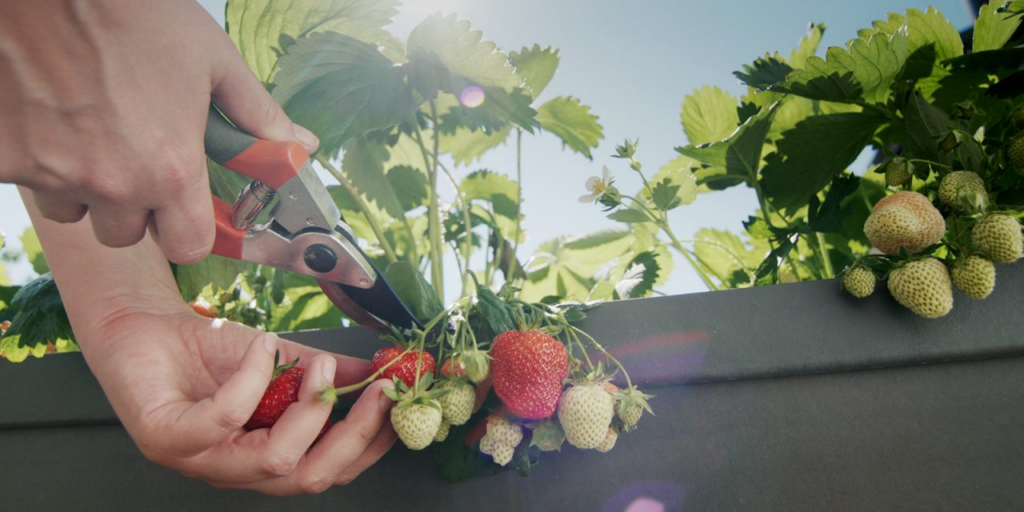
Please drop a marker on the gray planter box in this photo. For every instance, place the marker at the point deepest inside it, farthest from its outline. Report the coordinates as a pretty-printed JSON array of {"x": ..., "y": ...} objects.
[{"x": 794, "y": 397}]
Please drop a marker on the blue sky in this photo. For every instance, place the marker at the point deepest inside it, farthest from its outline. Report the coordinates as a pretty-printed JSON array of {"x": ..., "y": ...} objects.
[{"x": 633, "y": 65}]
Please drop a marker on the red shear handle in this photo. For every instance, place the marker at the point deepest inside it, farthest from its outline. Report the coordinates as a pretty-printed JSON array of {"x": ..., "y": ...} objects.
[{"x": 228, "y": 242}]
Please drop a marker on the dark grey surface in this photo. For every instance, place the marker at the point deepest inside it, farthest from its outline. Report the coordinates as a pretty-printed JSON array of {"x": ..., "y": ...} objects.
[
  {"x": 808, "y": 400},
  {"x": 939, "y": 438}
]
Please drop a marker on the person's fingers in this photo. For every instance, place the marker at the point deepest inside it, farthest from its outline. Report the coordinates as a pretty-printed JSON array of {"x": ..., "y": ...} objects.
[
  {"x": 381, "y": 444},
  {"x": 116, "y": 226},
  {"x": 350, "y": 369},
  {"x": 244, "y": 100},
  {"x": 301, "y": 422},
  {"x": 58, "y": 208},
  {"x": 211, "y": 420},
  {"x": 184, "y": 226}
]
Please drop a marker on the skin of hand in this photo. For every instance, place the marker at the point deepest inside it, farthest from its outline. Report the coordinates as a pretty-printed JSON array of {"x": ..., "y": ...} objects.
[
  {"x": 184, "y": 385},
  {"x": 104, "y": 109}
]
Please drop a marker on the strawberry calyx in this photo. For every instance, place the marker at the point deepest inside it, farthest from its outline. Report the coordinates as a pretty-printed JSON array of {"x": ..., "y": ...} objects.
[{"x": 280, "y": 369}]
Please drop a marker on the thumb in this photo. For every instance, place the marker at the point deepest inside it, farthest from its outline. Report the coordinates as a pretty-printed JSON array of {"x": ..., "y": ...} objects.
[{"x": 244, "y": 100}]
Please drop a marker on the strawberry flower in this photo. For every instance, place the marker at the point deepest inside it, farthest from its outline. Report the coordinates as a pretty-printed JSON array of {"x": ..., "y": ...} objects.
[{"x": 597, "y": 186}]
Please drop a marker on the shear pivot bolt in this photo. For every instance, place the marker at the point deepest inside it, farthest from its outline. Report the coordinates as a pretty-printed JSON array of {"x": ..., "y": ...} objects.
[{"x": 320, "y": 258}]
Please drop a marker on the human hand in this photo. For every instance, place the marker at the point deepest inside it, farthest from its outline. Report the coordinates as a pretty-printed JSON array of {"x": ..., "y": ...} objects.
[
  {"x": 184, "y": 385},
  {"x": 104, "y": 109}
]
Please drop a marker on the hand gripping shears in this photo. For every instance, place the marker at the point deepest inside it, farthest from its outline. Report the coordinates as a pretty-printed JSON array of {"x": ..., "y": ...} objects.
[{"x": 304, "y": 231}]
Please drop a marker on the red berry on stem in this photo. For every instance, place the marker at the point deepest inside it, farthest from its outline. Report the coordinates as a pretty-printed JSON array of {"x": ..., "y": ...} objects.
[
  {"x": 528, "y": 368},
  {"x": 404, "y": 368}
]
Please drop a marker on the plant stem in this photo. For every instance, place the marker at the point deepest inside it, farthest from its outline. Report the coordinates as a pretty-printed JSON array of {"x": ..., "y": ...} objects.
[
  {"x": 519, "y": 188},
  {"x": 388, "y": 250},
  {"x": 433, "y": 216},
  {"x": 825, "y": 258},
  {"x": 661, "y": 221}
]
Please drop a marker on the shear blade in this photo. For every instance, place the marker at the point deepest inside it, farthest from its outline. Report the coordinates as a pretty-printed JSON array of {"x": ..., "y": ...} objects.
[{"x": 370, "y": 307}]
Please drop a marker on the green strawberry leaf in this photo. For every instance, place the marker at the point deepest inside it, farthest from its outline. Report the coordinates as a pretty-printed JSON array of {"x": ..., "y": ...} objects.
[
  {"x": 218, "y": 272},
  {"x": 410, "y": 186},
  {"x": 264, "y": 29},
  {"x": 726, "y": 258},
  {"x": 494, "y": 310},
  {"x": 925, "y": 126},
  {"x": 812, "y": 153},
  {"x": 303, "y": 308},
  {"x": 993, "y": 29},
  {"x": 363, "y": 164},
  {"x": 629, "y": 216},
  {"x": 467, "y": 145},
  {"x": 451, "y": 42},
  {"x": 414, "y": 290},
  {"x": 495, "y": 188},
  {"x": 39, "y": 318},
  {"x": 537, "y": 67},
  {"x": 572, "y": 122},
  {"x": 932, "y": 40},
  {"x": 708, "y": 115},
  {"x": 340, "y": 88},
  {"x": 765, "y": 72},
  {"x": 740, "y": 154},
  {"x": 863, "y": 71},
  {"x": 675, "y": 185},
  {"x": 640, "y": 277},
  {"x": 808, "y": 46},
  {"x": 827, "y": 218},
  {"x": 34, "y": 251}
]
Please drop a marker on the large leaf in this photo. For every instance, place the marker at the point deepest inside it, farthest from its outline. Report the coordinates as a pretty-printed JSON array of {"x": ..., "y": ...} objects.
[
  {"x": 740, "y": 154},
  {"x": 467, "y": 145},
  {"x": 813, "y": 152},
  {"x": 34, "y": 251},
  {"x": 40, "y": 316},
  {"x": 993, "y": 29},
  {"x": 863, "y": 71},
  {"x": 674, "y": 184},
  {"x": 217, "y": 271},
  {"x": 363, "y": 164},
  {"x": 451, "y": 42},
  {"x": 414, "y": 290},
  {"x": 536, "y": 65},
  {"x": 410, "y": 186},
  {"x": 726, "y": 258},
  {"x": 932, "y": 39},
  {"x": 340, "y": 88},
  {"x": 808, "y": 46},
  {"x": 926, "y": 125},
  {"x": 572, "y": 122},
  {"x": 264, "y": 29},
  {"x": 498, "y": 109},
  {"x": 304, "y": 308},
  {"x": 490, "y": 186},
  {"x": 709, "y": 115}
]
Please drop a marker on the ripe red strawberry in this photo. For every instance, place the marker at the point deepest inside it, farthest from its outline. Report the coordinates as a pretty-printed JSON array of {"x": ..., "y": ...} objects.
[
  {"x": 282, "y": 391},
  {"x": 528, "y": 368},
  {"x": 204, "y": 308},
  {"x": 405, "y": 368}
]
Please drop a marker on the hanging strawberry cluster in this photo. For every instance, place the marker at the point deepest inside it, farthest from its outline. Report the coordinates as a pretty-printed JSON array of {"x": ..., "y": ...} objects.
[{"x": 551, "y": 383}]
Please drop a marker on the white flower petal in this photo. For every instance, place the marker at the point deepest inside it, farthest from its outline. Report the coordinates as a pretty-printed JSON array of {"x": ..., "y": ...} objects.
[
  {"x": 592, "y": 183},
  {"x": 589, "y": 198},
  {"x": 606, "y": 174}
]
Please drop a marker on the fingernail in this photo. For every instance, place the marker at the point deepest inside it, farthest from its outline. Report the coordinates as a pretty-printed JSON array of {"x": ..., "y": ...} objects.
[
  {"x": 328, "y": 368},
  {"x": 270, "y": 343},
  {"x": 385, "y": 401},
  {"x": 306, "y": 137}
]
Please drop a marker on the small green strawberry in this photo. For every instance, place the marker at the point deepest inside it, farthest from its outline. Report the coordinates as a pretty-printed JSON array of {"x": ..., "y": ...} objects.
[
  {"x": 963, "y": 191},
  {"x": 630, "y": 405},
  {"x": 478, "y": 366},
  {"x": 548, "y": 435},
  {"x": 923, "y": 286},
  {"x": 949, "y": 142},
  {"x": 609, "y": 441},
  {"x": 458, "y": 403},
  {"x": 1015, "y": 151},
  {"x": 1018, "y": 115},
  {"x": 975, "y": 277},
  {"x": 501, "y": 439},
  {"x": 585, "y": 411},
  {"x": 904, "y": 219},
  {"x": 897, "y": 173},
  {"x": 999, "y": 237},
  {"x": 442, "y": 431},
  {"x": 859, "y": 281}
]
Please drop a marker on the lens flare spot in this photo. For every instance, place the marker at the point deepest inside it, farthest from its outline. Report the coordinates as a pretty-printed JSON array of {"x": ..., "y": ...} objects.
[
  {"x": 645, "y": 505},
  {"x": 472, "y": 96}
]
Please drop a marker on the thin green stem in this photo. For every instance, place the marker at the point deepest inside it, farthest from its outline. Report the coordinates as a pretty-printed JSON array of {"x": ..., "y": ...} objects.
[
  {"x": 519, "y": 188},
  {"x": 433, "y": 215},
  {"x": 377, "y": 230},
  {"x": 826, "y": 259},
  {"x": 605, "y": 352}
]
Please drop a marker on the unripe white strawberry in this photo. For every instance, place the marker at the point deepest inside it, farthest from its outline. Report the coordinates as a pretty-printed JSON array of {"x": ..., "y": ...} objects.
[
  {"x": 897, "y": 173},
  {"x": 859, "y": 282},
  {"x": 999, "y": 237},
  {"x": 416, "y": 424},
  {"x": 501, "y": 439},
  {"x": 1015, "y": 151},
  {"x": 442, "y": 431},
  {"x": 585, "y": 412},
  {"x": 923, "y": 286},
  {"x": 609, "y": 441},
  {"x": 975, "y": 277},
  {"x": 904, "y": 219},
  {"x": 457, "y": 404},
  {"x": 547, "y": 436},
  {"x": 963, "y": 191}
]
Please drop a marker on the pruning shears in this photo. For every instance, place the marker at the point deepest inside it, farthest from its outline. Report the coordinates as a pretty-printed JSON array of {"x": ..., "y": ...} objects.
[{"x": 304, "y": 232}]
